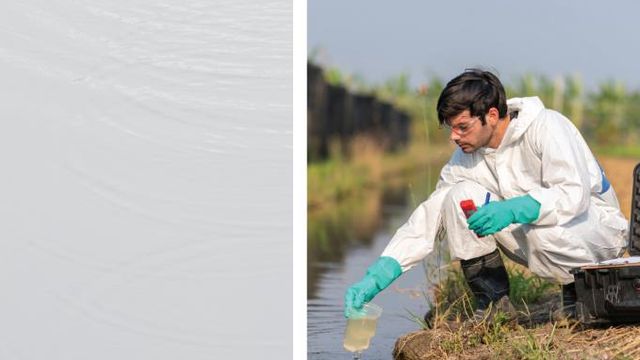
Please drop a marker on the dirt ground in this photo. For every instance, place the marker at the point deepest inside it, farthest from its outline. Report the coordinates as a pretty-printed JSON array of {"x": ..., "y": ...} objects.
[
  {"x": 619, "y": 171},
  {"x": 548, "y": 341}
]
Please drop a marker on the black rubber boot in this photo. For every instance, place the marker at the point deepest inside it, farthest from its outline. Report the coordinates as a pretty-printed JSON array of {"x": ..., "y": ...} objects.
[
  {"x": 569, "y": 298},
  {"x": 487, "y": 278}
]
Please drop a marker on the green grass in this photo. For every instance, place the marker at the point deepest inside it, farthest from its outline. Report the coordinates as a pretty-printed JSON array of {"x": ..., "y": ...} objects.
[
  {"x": 526, "y": 288},
  {"x": 504, "y": 337},
  {"x": 627, "y": 151},
  {"x": 500, "y": 337},
  {"x": 453, "y": 297},
  {"x": 334, "y": 180},
  {"x": 530, "y": 347},
  {"x": 338, "y": 178}
]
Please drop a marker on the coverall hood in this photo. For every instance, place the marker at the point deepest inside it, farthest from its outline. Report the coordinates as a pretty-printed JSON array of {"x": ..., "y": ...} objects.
[{"x": 527, "y": 109}]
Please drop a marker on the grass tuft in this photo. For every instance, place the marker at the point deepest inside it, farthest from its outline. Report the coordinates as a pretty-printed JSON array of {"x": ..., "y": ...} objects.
[
  {"x": 528, "y": 336},
  {"x": 527, "y": 288}
]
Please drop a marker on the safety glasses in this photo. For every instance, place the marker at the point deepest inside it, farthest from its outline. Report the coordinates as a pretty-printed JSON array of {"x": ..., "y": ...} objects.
[{"x": 462, "y": 128}]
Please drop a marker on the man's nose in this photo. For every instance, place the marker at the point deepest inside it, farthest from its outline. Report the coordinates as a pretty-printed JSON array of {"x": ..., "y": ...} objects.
[{"x": 453, "y": 136}]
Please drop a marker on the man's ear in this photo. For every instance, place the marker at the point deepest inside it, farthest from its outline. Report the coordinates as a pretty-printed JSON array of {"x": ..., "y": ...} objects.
[{"x": 492, "y": 116}]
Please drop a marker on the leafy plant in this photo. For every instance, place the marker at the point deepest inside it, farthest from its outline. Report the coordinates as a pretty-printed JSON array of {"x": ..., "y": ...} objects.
[{"x": 525, "y": 287}]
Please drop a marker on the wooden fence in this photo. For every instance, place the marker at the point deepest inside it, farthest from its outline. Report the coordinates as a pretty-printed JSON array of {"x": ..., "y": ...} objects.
[{"x": 335, "y": 114}]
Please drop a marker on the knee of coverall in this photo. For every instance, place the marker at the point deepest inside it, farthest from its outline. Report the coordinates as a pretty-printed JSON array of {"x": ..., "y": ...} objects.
[
  {"x": 513, "y": 243},
  {"x": 589, "y": 238},
  {"x": 464, "y": 244},
  {"x": 553, "y": 252}
]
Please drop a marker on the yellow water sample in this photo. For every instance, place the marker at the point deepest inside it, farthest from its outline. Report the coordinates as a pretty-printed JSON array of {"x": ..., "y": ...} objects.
[{"x": 358, "y": 334}]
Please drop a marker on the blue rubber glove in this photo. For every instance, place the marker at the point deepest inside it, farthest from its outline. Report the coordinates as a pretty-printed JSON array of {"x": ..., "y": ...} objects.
[
  {"x": 379, "y": 275},
  {"x": 497, "y": 215}
]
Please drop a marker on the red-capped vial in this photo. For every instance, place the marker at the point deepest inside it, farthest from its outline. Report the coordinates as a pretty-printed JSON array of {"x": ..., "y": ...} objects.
[{"x": 468, "y": 207}]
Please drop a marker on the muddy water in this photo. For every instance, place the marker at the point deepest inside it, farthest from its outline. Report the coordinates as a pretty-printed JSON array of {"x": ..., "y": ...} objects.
[{"x": 343, "y": 242}]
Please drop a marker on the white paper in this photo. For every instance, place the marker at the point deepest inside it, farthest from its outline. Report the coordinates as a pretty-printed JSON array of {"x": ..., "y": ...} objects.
[{"x": 621, "y": 261}]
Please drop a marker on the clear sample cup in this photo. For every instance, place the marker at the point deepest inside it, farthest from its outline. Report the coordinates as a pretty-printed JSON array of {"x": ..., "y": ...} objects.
[{"x": 361, "y": 327}]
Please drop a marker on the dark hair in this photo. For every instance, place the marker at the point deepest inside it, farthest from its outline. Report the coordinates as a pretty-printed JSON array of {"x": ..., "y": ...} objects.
[{"x": 474, "y": 90}]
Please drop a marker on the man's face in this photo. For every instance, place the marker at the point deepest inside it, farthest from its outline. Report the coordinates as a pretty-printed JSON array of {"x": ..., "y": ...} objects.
[{"x": 468, "y": 132}]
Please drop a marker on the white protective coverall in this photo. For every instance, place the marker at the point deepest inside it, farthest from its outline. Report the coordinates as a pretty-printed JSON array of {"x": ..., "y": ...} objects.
[{"x": 542, "y": 154}]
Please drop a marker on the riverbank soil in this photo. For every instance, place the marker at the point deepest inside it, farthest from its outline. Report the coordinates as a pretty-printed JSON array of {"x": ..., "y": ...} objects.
[
  {"x": 551, "y": 340},
  {"x": 534, "y": 333}
]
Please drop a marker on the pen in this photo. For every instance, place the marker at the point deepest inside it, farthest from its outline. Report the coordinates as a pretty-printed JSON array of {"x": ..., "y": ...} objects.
[{"x": 486, "y": 199}]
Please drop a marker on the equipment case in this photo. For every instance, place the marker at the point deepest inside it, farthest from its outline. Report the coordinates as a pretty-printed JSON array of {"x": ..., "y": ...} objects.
[{"x": 609, "y": 292}]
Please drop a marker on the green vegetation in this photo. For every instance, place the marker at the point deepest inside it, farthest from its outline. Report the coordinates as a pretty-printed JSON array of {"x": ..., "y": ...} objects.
[
  {"x": 624, "y": 151},
  {"x": 338, "y": 178},
  {"x": 531, "y": 347},
  {"x": 526, "y": 288},
  {"x": 502, "y": 336},
  {"x": 452, "y": 298},
  {"x": 530, "y": 334},
  {"x": 335, "y": 180},
  {"x": 606, "y": 115}
]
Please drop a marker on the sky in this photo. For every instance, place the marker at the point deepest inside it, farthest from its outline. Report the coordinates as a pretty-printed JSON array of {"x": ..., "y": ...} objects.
[{"x": 595, "y": 40}]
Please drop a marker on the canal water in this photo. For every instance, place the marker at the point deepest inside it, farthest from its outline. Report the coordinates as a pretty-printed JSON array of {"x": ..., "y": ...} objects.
[
  {"x": 146, "y": 152},
  {"x": 342, "y": 244}
]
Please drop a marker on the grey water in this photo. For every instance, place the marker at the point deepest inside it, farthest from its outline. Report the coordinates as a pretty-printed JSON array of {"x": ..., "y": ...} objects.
[
  {"x": 330, "y": 276},
  {"x": 145, "y": 196}
]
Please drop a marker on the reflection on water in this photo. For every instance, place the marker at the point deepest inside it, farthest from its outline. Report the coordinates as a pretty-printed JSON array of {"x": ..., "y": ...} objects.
[
  {"x": 330, "y": 233},
  {"x": 342, "y": 242}
]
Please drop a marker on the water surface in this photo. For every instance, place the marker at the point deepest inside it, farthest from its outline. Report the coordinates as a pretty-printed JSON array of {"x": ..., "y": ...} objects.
[
  {"x": 351, "y": 240},
  {"x": 146, "y": 153}
]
